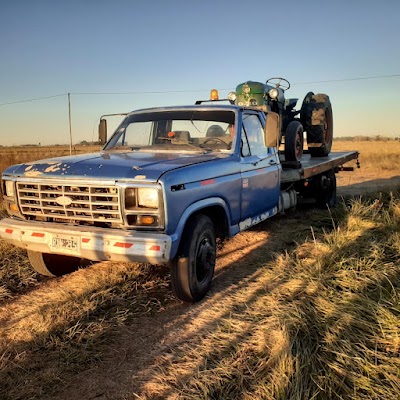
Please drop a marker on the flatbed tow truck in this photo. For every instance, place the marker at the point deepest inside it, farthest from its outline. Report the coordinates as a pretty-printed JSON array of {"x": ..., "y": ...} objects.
[{"x": 167, "y": 184}]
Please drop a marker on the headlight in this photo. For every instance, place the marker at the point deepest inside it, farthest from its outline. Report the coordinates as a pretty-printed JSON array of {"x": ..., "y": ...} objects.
[
  {"x": 9, "y": 188},
  {"x": 148, "y": 197},
  {"x": 232, "y": 97},
  {"x": 273, "y": 93}
]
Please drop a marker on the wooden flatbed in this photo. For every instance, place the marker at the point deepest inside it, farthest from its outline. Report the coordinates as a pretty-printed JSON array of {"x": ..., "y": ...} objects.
[{"x": 311, "y": 166}]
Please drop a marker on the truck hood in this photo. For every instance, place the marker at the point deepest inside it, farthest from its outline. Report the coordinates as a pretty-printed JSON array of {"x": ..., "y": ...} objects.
[{"x": 106, "y": 165}]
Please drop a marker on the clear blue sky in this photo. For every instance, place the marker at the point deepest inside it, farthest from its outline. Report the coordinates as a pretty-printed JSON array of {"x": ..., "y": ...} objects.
[{"x": 55, "y": 47}]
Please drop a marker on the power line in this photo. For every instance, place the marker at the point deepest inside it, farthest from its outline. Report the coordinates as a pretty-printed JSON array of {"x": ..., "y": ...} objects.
[
  {"x": 34, "y": 99},
  {"x": 190, "y": 90},
  {"x": 350, "y": 79}
]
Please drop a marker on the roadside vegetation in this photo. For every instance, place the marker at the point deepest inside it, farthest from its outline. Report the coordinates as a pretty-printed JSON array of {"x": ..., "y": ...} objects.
[
  {"x": 307, "y": 307},
  {"x": 320, "y": 320}
]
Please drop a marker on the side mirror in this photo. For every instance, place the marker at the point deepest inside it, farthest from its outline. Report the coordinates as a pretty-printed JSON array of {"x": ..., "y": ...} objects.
[
  {"x": 103, "y": 131},
  {"x": 272, "y": 130}
]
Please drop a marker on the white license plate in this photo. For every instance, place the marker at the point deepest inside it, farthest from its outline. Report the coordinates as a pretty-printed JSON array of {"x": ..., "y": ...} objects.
[{"x": 65, "y": 243}]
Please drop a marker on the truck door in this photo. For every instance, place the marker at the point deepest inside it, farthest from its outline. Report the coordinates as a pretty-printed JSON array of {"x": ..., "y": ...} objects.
[{"x": 260, "y": 169}]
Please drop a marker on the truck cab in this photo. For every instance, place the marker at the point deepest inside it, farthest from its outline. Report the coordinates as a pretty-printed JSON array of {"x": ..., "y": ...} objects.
[{"x": 161, "y": 175}]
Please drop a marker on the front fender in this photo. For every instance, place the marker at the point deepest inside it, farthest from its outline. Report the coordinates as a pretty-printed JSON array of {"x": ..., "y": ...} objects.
[{"x": 192, "y": 209}]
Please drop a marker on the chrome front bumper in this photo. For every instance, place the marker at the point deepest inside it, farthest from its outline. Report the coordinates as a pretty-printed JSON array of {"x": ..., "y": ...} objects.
[{"x": 87, "y": 242}]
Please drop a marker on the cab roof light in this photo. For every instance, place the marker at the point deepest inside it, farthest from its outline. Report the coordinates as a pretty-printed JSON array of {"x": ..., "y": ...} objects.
[{"x": 214, "y": 95}]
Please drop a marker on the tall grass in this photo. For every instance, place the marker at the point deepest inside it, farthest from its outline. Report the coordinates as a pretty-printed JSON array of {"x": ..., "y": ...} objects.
[{"x": 320, "y": 322}]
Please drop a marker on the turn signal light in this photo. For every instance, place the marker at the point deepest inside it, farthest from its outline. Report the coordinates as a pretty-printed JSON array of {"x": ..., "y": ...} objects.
[
  {"x": 214, "y": 95},
  {"x": 146, "y": 220},
  {"x": 13, "y": 207}
]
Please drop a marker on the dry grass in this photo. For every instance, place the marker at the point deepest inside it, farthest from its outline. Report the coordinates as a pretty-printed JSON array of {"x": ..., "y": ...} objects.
[
  {"x": 20, "y": 154},
  {"x": 64, "y": 325},
  {"x": 16, "y": 274},
  {"x": 320, "y": 322},
  {"x": 378, "y": 157}
]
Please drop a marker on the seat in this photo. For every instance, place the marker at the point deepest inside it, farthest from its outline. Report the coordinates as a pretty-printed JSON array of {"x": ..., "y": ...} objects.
[
  {"x": 215, "y": 131},
  {"x": 182, "y": 135}
]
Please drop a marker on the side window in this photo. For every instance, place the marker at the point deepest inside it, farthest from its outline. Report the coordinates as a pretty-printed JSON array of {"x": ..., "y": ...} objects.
[
  {"x": 255, "y": 134},
  {"x": 245, "y": 149}
]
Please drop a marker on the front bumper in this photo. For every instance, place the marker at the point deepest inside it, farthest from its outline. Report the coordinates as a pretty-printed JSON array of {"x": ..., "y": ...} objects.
[{"x": 92, "y": 243}]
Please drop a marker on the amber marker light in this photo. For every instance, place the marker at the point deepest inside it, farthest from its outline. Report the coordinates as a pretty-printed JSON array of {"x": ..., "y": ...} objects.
[
  {"x": 13, "y": 207},
  {"x": 147, "y": 220},
  {"x": 214, "y": 95}
]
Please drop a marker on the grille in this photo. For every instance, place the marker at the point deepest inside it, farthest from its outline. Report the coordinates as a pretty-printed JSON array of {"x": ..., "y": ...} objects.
[{"x": 62, "y": 203}]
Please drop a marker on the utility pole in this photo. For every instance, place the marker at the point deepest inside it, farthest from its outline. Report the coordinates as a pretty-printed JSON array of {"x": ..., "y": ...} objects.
[{"x": 70, "y": 128}]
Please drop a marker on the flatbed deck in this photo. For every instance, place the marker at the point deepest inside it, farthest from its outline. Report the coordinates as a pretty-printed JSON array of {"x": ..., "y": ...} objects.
[{"x": 311, "y": 166}]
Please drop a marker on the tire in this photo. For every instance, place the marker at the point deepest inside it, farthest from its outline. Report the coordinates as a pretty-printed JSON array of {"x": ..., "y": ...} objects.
[
  {"x": 294, "y": 141},
  {"x": 317, "y": 118},
  {"x": 193, "y": 269},
  {"x": 53, "y": 264},
  {"x": 325, "y": 190}
]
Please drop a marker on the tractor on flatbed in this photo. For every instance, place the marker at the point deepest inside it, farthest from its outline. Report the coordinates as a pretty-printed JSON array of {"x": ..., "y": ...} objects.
[{"x": 314, "y": 117}]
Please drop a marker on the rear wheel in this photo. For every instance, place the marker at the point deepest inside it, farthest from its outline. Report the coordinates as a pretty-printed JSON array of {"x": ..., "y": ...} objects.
[
  {"x": 316, "y": 115},
  {"x": 53, "y": 264},
  {"x": 193, "y": 269},
  {"x": 325, "y": 190},
  {"x": 294, "y": 141}
]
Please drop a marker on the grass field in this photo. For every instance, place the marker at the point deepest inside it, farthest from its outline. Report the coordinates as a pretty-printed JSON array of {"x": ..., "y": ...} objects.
[
  {"x": 16, "y": 155},
  {"x": 305, "y": 306}
]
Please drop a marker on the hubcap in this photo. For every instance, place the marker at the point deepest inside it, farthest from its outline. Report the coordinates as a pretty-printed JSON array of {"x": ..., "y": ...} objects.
[{"x": 205, "y": 259}]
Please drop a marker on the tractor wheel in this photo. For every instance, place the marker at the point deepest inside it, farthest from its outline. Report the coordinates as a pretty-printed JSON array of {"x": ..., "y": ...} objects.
[
  {"x": 53, "y": 264},
  {"x": 193, "y": 269},
  {"x": 294, "y": 141},
  {"x": 316, "y": 116}
]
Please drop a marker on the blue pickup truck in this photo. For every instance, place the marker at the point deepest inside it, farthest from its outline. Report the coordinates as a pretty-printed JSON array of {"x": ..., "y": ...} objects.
[{"x": 165, "y": 186}]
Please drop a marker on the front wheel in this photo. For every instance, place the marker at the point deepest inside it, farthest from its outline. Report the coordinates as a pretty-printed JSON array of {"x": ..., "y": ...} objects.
[
  {"x": 193, "y": 269},
  {"x": 53, "y": 264},
  {"x": 294, "y": 141}
]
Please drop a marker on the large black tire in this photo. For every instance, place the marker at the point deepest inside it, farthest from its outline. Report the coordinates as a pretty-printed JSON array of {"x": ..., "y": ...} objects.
[
  {"x": 294, "y": 141},
  {"x": 325, "y": 190},
  {"x": 193, "y": 269},
  {"x": 53, "y": 264},
  {"x": 317, "y": 118}
]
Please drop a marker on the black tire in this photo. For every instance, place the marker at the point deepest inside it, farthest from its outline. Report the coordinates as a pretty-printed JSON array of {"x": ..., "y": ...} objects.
[
  {"x": 193, "y": 269},
  {"x": 294, "y": 141},
  {"x": 53, "y": 264},
  {"x": 325, "y": 190},
  {"x": 317, "y": 118}
]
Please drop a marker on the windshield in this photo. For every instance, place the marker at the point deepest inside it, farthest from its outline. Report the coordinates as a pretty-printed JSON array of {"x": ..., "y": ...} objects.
[{"x": 185, "y": 130}]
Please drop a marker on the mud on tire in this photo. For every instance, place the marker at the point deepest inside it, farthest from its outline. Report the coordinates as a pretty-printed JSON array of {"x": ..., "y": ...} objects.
[{"x": 316, "y": 116}]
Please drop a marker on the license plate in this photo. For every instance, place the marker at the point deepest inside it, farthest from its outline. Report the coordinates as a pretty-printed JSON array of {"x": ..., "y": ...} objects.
[{"x": 66, "y": 243}]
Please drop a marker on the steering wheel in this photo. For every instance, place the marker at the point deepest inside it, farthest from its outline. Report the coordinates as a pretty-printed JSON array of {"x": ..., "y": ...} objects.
[{"x": 278, "y": 83}]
